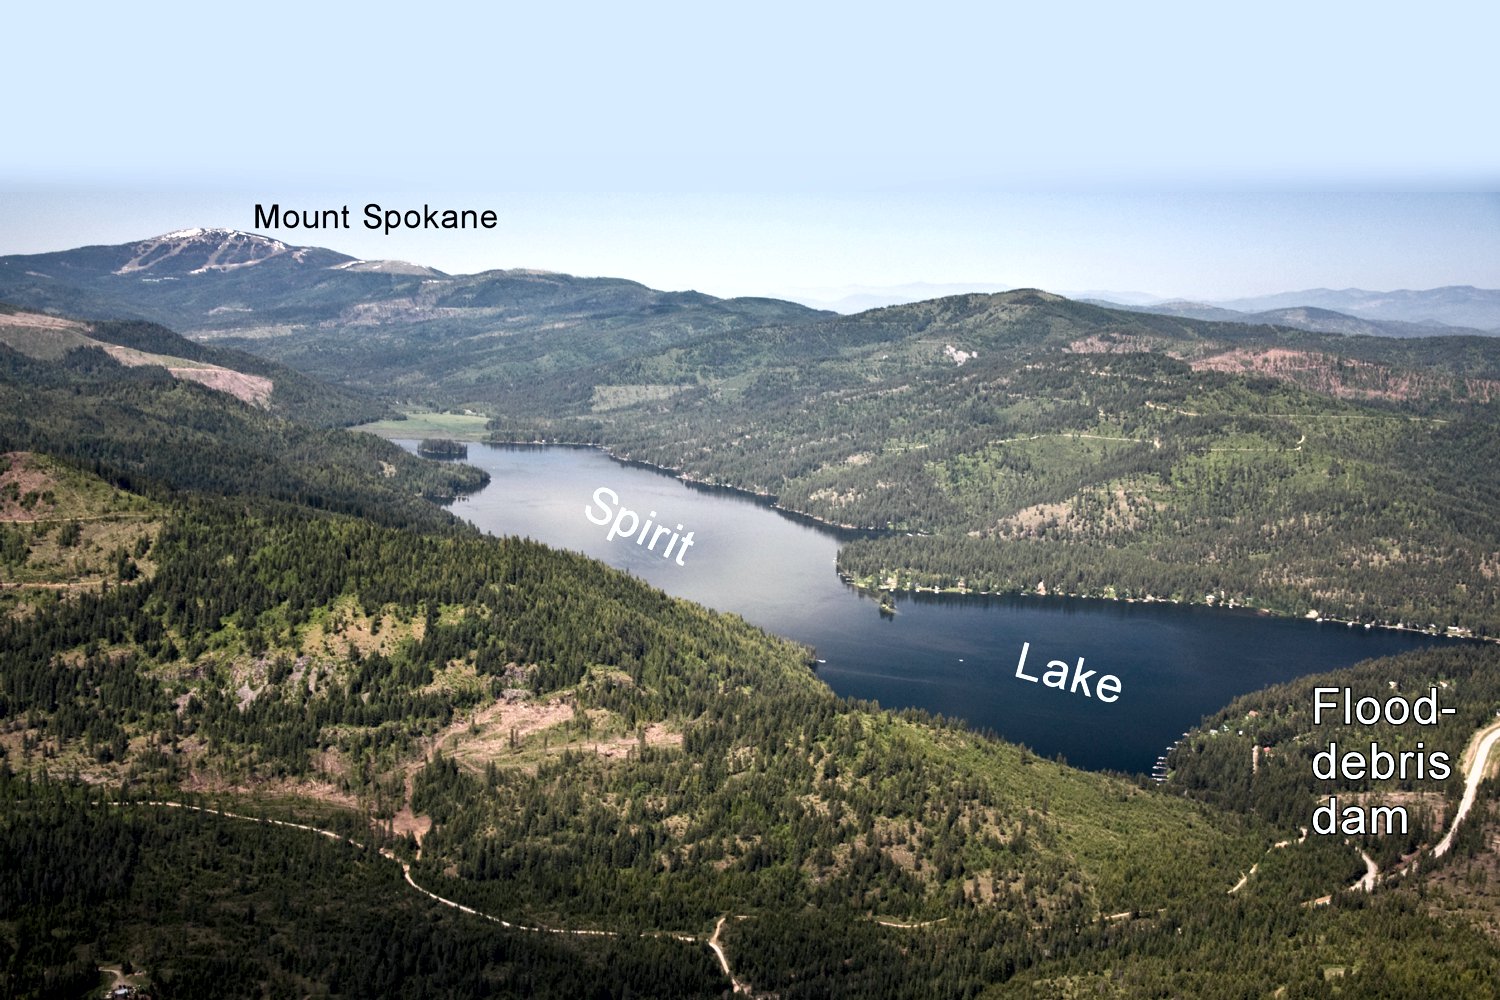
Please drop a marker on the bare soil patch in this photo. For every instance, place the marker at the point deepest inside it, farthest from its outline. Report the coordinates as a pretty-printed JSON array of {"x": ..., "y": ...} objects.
[
  {"x": 40, "y": 321},
  {"x": 253, "y": 389},
  {"x": 27, "y": 478},
  {"x": 656, "y": 735},
  {"x": 487, "y": 733},
  {"x": 1344, "y": 378},
  {"x": 405, "y": 823}
]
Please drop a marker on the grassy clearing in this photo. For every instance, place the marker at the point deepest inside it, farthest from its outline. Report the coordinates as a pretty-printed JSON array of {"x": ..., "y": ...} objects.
[
  {"x": 613, "y": 397},
  {"x": 46, "y": 341},
  {"x": 62, "y": 530},
  {"x": 457, "y": 426}
]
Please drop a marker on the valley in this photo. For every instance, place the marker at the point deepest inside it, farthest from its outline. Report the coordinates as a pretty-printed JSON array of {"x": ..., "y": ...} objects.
[
  {"x": 397, "y": 745},
  {"x": 953, "y": 655}
]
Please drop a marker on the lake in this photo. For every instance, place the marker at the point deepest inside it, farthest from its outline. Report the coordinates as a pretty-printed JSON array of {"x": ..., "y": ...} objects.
[{"x": 953, "y": 655}]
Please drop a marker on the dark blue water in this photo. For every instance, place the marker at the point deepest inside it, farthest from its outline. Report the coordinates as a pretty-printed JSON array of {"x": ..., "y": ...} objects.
[{"x": 951, "y": 655}]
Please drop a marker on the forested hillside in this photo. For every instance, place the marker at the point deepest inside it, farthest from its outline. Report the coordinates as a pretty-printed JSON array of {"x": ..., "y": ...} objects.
[
  {"x": 1021, "y": 442},
  {"x": 400, "y": 330},
  {"x": 1017, "y": 442},
  {"x": 1210, "y": 762},
  {"x": 145, "y": 431},
  {"x": 277, "y": 388},
  {"x": 573, "y": 749},
  {"x": 460, "y": 765},
  {"x": 186, "y": 905},
  {"x": 281, "y": 645}
]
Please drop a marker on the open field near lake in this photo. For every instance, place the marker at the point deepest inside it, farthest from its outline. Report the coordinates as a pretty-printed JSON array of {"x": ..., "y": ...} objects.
[{"x": 458, "y": 426}]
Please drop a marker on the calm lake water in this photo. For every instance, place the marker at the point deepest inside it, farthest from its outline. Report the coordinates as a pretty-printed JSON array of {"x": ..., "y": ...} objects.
[{"x": 950, "y": 655}]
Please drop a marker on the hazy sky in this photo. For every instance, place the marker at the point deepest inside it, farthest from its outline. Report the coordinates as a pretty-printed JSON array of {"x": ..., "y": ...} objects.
[{"x": 776, "y": 150}]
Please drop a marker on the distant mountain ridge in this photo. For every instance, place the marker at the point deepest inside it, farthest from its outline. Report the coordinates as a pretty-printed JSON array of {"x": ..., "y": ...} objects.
[
  {"x": 355, "y": 321},
  {"x": 1450, "y": 310},
  {"x": 860, "y": 298},
  {"x": 415, "y": 334},
  {"x": 196, "y": 251},
  {"x": 1310, "y": 318},
  {"x": 175, "y": 255},
  {"x": 1452, "y": 305}
]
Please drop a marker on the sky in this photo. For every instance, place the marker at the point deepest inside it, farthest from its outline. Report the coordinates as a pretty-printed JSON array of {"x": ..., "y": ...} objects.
[{"x": 786, "y": 150}]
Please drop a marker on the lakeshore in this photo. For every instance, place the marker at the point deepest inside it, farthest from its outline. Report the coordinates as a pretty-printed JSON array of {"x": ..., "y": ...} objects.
[
  {"x": 947, "y": 653},
  {"x": 868, "y": 584}
]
